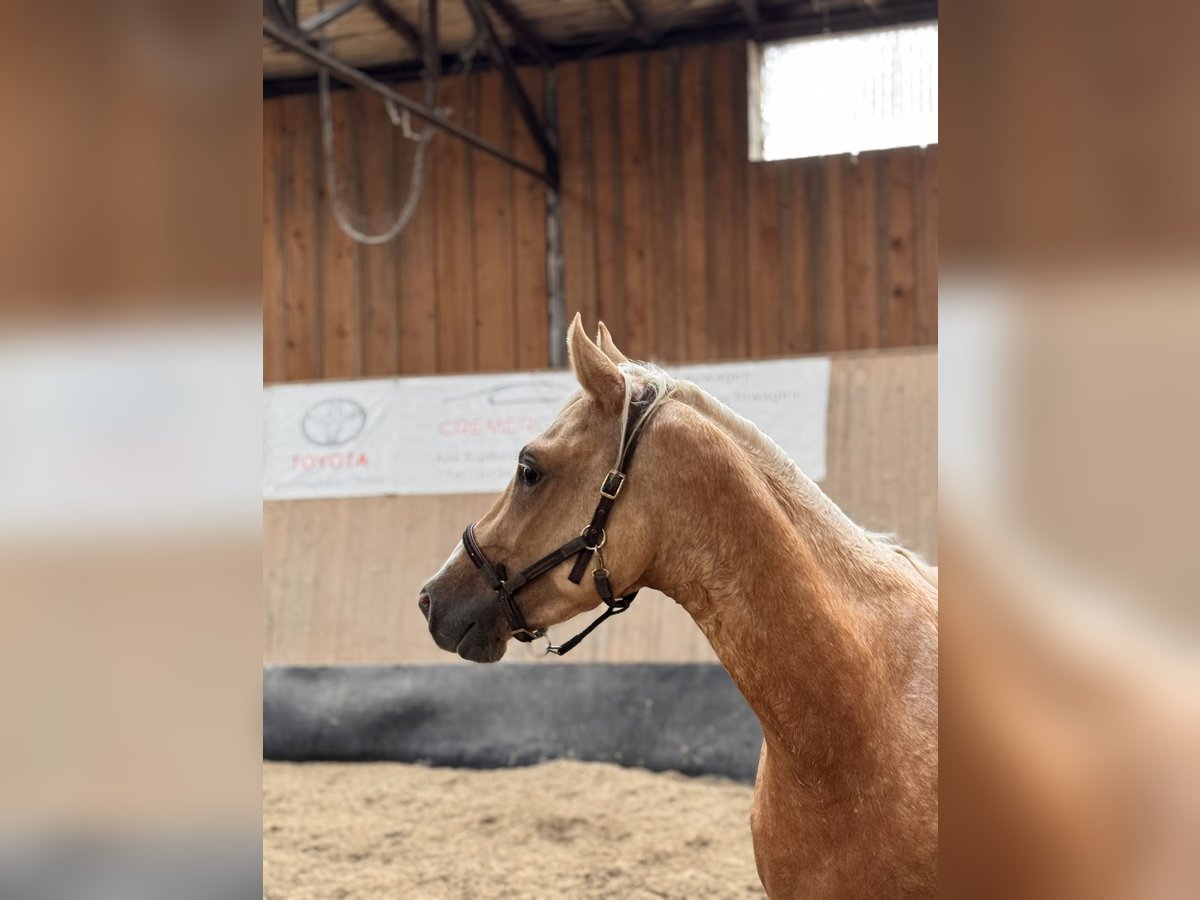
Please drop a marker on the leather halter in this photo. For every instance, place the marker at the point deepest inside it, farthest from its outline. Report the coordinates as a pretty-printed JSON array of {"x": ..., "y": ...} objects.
[{"x": 589, "y": 542}]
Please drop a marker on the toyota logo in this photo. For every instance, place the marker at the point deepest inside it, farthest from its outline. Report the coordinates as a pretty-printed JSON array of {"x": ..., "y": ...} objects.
[{"x": 333, "y": 422}]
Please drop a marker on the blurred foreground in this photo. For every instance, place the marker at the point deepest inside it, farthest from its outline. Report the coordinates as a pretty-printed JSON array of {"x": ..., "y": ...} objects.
[
  {"x": 1069, "y": 435},
  {"x": 1070, "y": 716},
  {"x": 129, "y": 451}
]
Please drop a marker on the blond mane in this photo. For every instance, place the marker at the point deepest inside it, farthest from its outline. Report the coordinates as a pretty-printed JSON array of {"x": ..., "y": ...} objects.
[{"x": 649, "y": 376}]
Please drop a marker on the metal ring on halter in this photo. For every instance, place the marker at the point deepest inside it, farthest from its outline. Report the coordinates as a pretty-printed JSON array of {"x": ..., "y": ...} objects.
[
  {"x": 545, "y": 648},
  {"x": 532, "y": 633},
  {"x": 603, "y": 537}
]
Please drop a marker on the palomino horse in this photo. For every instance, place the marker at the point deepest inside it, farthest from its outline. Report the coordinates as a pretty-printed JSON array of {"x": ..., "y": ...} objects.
[{"x": 829, "y": 631}]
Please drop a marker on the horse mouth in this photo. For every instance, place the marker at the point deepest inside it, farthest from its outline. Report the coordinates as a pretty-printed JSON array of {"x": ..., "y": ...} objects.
[
  {"x": 458, "y": 648},
  {"x": 479, "y": 646}
]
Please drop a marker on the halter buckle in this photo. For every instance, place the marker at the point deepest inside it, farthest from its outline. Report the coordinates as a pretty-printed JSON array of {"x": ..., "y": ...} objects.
[{"x": 612, "y": 478}]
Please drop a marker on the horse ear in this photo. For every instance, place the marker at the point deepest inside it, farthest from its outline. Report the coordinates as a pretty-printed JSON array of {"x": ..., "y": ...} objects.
[
  {"x": 597, "y": 374},
  {"x": 605, "y": 342}
]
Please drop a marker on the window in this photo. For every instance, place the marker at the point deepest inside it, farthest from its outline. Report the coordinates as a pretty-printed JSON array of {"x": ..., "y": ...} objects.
[{"x": 849, "y": 92}]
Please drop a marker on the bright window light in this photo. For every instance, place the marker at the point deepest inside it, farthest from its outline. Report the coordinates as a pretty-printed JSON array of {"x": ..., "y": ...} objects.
[{"x": 846, "y": 93}]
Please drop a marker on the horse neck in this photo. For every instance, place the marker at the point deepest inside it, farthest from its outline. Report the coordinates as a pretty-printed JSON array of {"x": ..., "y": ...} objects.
[{"x": 813, "y": 619}]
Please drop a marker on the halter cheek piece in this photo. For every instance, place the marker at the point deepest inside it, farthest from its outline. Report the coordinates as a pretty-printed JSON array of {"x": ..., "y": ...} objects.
[{"x": 589, "y": 542}]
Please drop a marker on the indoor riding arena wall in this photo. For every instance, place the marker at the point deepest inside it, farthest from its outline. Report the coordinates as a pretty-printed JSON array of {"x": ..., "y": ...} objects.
[
  {"x": 686, "y": 249},
  {"x": 341, "y": 576}
]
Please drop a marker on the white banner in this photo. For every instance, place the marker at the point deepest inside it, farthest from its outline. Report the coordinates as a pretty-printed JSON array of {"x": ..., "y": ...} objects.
[
  {"x": 460, "y": 434},
  {"x": 333, "y": 439},
  {"x": 788, "y": 399}
]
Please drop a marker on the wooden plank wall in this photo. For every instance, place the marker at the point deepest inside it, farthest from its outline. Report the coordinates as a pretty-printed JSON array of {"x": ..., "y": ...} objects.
[
  {"x": 340, "y": 577},
  {"x": 685, "y": 248},
  {"x": 689, "y": 251},
  {"x": 462, "y": 289}
]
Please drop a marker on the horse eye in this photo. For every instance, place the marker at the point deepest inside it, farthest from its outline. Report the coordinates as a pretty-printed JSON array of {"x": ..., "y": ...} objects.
[{"x": 530, "y": 475}]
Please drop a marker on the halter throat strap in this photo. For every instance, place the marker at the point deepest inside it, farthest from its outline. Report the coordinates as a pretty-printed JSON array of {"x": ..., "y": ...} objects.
[{"x": 582, "y": 548}]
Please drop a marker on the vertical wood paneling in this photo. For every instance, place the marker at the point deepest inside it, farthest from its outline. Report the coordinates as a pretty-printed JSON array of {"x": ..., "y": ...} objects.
[
  {"x": 739, "y": 144},
  {"x": 686, "y": 249},
  {"x": 827, "y": 211},
  {"x": 453, "y": 259},
  {"x": 927, "y": 250},
  {"x": 529, "y": 239},
  {"x": 302, "y": 251},
  {"x": 417, "y": 282},
  {"x": 800, "y": 190},
  {"x": 274, "y": 218},
  {"x": 808, "y": 228},
  {"x": 722, "y": 165},
  {"x": 667, "y": 300},
  {"x": 860, "y": 239},
  {"x": 900, "y": 317},
  {"x": 339, "y": 283},
  {"x": 492, "y": 243},
  {"x": 765, "y": 299},
  {"x": 633, "y": 228},
  {"x": 605, "y": 126},
  {"x": 694, "y": 101},
  {"x": 380, "y": 195},
  {"x": 579, "y": 221}
]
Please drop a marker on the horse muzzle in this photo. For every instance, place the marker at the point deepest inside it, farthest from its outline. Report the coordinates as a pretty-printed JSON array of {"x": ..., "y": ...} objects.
[{"x": 464, "y": 622}]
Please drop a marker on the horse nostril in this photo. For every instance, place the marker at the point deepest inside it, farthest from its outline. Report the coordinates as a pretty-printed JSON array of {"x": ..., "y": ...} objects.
[{"x": 423, "y": 603}]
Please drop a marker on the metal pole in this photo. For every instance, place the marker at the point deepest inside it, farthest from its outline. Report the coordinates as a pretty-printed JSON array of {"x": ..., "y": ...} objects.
[
  {"x": 399, "y": 24},
  {"x": 321, "y": 19},
  {"x": 516, "y": 91},
  {"x": 347, "y": 72},
  {"x": 524, "y": 31}
]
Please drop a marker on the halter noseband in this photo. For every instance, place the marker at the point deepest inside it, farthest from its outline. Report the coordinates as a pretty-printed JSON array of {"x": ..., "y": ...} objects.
[{"x": 590, "y": 541}]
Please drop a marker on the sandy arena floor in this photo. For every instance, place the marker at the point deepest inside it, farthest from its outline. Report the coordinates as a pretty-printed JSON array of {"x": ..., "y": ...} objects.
[{"x": 560, "y": 829}]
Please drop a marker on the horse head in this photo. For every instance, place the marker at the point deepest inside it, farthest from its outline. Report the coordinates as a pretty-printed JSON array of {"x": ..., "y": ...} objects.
[{"x": 551, "y": 502}]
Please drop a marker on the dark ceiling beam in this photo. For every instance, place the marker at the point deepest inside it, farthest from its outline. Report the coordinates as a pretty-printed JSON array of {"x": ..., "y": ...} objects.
[
  {"x": 503, "y": 61},
  {"x": 897, "y": 12},
  {"x": 631, "y": 12},
  {"x": 299, "y": 43},
  {"x": 851, "y": 17},
  {"x": 524, "y": 30},
  {"x": 749, "y": 9},
  {"x": 277, "y": 13},
  {"x": 404, "y": 28},
  {"x": 409, "y": 70},
  {"x": 325, "y": 16}
]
